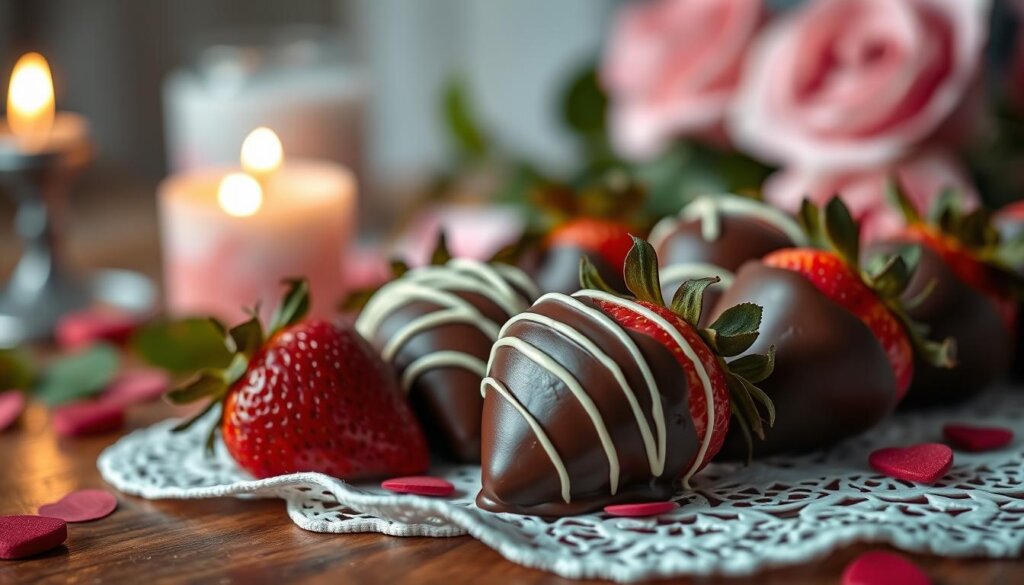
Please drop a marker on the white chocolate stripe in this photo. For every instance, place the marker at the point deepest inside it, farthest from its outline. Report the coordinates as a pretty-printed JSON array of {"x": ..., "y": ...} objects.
[
  {"x": 542, "y": 438},
  {"x": 687, "y": 351},
  {"x": 399, "y": 293},
  {"x": 441, "y": 359},
  {"x": 654, "y": 457},
  {"x": 545, "y": 361},
  {"x": 707, "y": 208},
  {"x": 690, "y": 270},
  {"x": 436, "y": 319}
]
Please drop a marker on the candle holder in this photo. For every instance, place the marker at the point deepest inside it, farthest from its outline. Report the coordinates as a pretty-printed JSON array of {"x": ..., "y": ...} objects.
[{"x": 43, "y": 287}]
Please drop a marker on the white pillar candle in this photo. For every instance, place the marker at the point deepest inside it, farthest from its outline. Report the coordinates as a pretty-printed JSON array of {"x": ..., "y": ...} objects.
[{"x": 230, "y": 236}]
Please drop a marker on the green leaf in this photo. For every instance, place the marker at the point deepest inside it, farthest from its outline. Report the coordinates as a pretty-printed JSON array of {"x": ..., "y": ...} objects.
[
  {"x": 463, "y": 126},
  {"x": 688, "y": 301},
  {"x": 755, "y": 367},
  {"x": 745, "y": 406},
  {"x": 183, "y": 346},
  {"x": 16, "y": 370},
  {"x": 810, "y": 220},
  {"x": 898, "y": 196},
  {"x": 441, "y": 254},
  {"x": 78, "y": 375},
  {"x": 584, "y": 104},
  {"x": 738, "y": 320},
  {"x": 294, "y": 306},
  {"x": 760, "y": 397},
  {"x": 729, "y": 345},
  {"x": 207, "y": 385},
  {"x": 944, "y": 209},
  {"x": 248, "y": 336},
  {"x": 398, "y": 268},
  {"x": 842, "y": 231},
  {"x": 356, "y": 300},
  {"x": 591, "y": 279},
  {"x": 892, "y": 278},
  {"x": 641, "y": 273}
]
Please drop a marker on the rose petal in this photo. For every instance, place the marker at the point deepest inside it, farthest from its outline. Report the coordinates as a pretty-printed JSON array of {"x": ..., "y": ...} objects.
[
  {"x": 640, "y": 510},
  {"x": 421, "y": 485},
  {"x": 12, "y": 403},
  {"x": 24, "y": 536},
  {"x": 87, "y": 418},
  {"x": 883, "y": 568},
  {"x": 81, "y": 506},
  {"x": 925, "y": 463},
  {"x": 137, "y": 387},
  {"x": 977, "y": 439}
]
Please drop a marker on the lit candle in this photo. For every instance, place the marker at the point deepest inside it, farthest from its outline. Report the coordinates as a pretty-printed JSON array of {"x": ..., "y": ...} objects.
[
  {"x": 231, "y": 235},
  {"x": 33, "y": 126}
]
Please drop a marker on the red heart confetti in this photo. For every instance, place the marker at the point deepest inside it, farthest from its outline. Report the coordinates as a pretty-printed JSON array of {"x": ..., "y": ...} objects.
[
  {"x": 924, "y": 463},
  {"x": 972, "y": 438},
  {"x": 883, "y": 568},
  {"x": 421, "y": 485},
  {"x": 86, "y": 327},
  {"x": 24, "y": 536},
  {"x": 12, "y": 403},
  {"x": 87, "y": 418},
  {"x": 81, "y": 506},
  {"x": 137, "y": 387},
  {"x": 640, "y": 510}
]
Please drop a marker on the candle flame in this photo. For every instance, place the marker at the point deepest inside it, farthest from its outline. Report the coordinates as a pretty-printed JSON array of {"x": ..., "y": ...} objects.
[
  {"x": 30, "y": 104},
  {"x": 262, "y": 153},
  {"x": 240, "y": 195}
]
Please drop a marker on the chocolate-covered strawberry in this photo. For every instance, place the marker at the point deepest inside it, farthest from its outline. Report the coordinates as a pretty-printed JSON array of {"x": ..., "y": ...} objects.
[
  {"x": 715, "y": 234},
  {"x": 434, "y": 326},
  {"x": 598, "y": 398},
  {"x": 308, "y": 396},
  {"x": 959, "y": 290},
  {"x": 1010, "y": 222},
  {"x": 844, "y": 346}
]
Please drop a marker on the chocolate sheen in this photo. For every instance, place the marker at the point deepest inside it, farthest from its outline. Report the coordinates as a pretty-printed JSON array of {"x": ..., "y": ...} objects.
[
  {"x": 831, "y": 380},
  {"x": 519, "y": 476},
  {"x": 740, "y": 238},
  {"x": 952, "y": 309},
  {"x": 557, "y": 269}
]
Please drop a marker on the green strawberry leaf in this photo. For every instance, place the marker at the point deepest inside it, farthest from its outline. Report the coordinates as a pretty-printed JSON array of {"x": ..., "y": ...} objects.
[
  {"x": 248, "y": 337},
  {"x": 591, "y": 279},
  {"x": 78, "y": 375},
  {"x": 294, "y": 307},
  {"x": 688, "y": 301},
  {"x": 641, "y": 273},
  {"x": 897, "y": 196},
  {"x": 810, "y": 220},
  {"x": 441, "y": 255},
  {"x": 208, "y": 385},
  {"x": 893, "y": 276},
  {"x": 738, "y": 320},
  {"x": 842, "y": 231},
  {"x": 183, "y": 346},
  {"x": 755, "y": 367},
  {"x": 464, "y": 128}
]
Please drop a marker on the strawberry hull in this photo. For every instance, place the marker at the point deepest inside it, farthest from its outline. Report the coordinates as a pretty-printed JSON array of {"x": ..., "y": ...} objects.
[{"x": 832, "y": 378}]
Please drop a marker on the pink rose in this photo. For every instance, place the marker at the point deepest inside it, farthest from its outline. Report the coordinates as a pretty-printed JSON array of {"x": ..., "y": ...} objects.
[
  {"x": 923, "y": 179},
  {"x": 843, "y": 84},
  {"x": 672, "y": 66}
]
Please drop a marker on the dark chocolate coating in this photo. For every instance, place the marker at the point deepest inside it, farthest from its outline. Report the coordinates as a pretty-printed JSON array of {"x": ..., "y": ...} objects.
[
  {"x": 832, "y": 379},
  {"x": 557, "y": 269},
  {"x": 958, "y": 310},
  {"x": 740, "y": 238},
  {"x": 517, "y": 474},
  {"x": 446, "y": 399}
]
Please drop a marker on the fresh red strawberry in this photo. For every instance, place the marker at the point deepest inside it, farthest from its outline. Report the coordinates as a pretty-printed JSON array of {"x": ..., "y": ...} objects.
[
  {"x": 311, "y": 396},
  {"x": 831, "y": 275},
  {"x": 606, "y": 238}
]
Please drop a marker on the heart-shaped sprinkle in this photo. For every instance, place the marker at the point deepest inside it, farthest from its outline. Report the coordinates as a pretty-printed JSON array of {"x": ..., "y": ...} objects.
[
  {"x": 87, "y": 418},
  {"x": 972, "y": 438},
  {"x": 924, "y": 463},
  {"x": 12, "y": 402},
  {"x": 86, "y": 327},
  {"x": 81, "y": 506},
  {"x": 883, "y": 568},
  {"x": 24, "y": 536},
  {"x": 137, "y": 387},
  {"x": 640, "y": 510},
  {"x": 421, "y": 485}
]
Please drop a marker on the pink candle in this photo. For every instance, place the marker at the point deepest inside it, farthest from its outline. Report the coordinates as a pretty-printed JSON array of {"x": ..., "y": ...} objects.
[{"x": 230, "y": 236}]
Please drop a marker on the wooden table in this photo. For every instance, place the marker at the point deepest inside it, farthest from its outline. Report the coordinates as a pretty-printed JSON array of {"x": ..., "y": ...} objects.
[{"x": 235, "y": 541}]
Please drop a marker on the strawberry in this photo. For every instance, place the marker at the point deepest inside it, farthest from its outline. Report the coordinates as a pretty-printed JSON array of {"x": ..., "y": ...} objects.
[
  {"x": 608, "y": 239},
  {"x": 309, "y": 396}
]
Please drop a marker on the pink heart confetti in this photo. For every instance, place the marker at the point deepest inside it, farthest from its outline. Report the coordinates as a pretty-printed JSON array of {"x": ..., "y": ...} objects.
[
  {"x": 640, "y": 510},
  {"x": 137, "y": 387},
  {"x": 24, "y": 536},
  {"x": 883, "y": 568},
  {"x": 924, "y": 463},
  {"x": 87, "y": 418},
  {"x": 972, "y": 438},
  {"x": 81, "y": 506},
  {"x": 12, "y": 403},
  {"x": 84, "y": 328},
  {"x": 421, "y": 485}
]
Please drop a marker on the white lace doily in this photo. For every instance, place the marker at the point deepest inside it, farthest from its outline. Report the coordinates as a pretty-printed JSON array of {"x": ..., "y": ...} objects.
[{"x": 738, "y": 520}]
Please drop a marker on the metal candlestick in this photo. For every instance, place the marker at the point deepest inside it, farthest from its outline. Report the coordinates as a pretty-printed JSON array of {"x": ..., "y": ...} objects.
[{"x": 42, "y": 287}]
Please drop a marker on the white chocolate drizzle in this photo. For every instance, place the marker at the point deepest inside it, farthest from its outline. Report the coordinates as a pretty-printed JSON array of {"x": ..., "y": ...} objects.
[
  {"x": 506, "y": 286},
  {"x": 708, "y": 209},
  {"x": 680, "y": 273}
]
